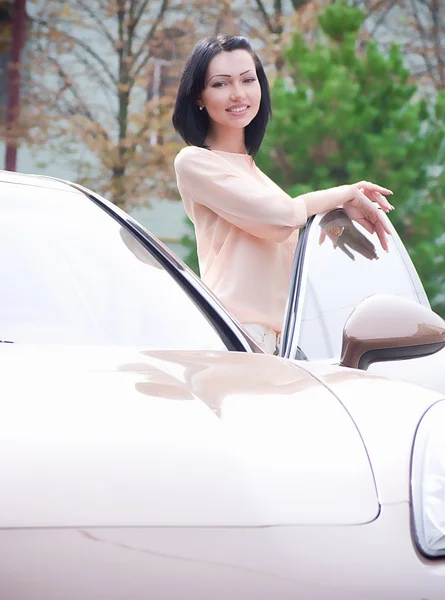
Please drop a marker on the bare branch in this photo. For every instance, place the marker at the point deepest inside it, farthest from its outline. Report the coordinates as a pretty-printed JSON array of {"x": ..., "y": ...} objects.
[
  {"x": 94, "y": 16},
  {"x": 278, "y": 9},
  {"x": 386, "y": 10},
  {"x": 266, "y": 17},
  {"x": 297, "y": 4},
  {"x": 68, "y": 85},
  {"x": 429, "y": 65},
  {"x": 85, "y": 47},
  {"x": 140, "y": 12},
  {"x": 147, "y": 38},
  {"x": 437, "y": 34},
  {"x": 93, "y": 70}
]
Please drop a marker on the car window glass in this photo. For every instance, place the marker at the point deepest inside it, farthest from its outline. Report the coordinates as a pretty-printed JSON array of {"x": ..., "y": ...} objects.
[
  {"x": 71, "y": 274},
  {"x": 345, "y": 265}
]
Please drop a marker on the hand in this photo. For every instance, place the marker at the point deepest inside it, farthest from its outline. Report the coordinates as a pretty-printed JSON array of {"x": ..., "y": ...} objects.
[{"x": 363, "y": 209}]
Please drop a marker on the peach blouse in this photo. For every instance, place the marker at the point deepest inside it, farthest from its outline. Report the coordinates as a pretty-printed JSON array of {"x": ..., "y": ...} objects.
[{"x": 246, "y": 231}]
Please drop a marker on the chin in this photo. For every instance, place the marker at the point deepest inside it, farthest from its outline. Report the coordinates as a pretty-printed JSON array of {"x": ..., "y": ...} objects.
[{"x": 239, "y": 123}]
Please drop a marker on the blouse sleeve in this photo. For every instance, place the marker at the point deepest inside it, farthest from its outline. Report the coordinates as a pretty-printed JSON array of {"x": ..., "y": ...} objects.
[{"x": 264, "y": 212}]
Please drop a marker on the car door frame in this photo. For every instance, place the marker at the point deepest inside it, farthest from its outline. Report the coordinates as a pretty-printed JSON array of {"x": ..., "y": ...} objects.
[{"x": 299, "y": 278}]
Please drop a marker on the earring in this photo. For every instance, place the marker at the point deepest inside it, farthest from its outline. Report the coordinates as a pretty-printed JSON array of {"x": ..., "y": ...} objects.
[{"x": 201, "y": 107}]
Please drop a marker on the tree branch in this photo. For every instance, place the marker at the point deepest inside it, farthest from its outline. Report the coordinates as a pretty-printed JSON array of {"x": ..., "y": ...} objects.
[
  {"x": 266, "y": 17},
  {"x": 429, "y": 66},
  {"x": 84, "y": 46},
  {"x": 68, "y": 85},
  {"x": 297, "y": 4},
  {"x": 98, "y": 75},
  {"x": 94, "y": 16},
  {"x": 147, "y": 38},
  {"x": 278, "y": 9},
  {"x": 437, "y": 34},
  {"x": 386, "y": 10},
  {"x": 140, "y": 12},
  {"x": 123, "y": 93}
]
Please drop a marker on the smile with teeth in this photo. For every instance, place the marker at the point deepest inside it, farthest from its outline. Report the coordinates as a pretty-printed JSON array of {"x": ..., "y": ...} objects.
[{"x": 238, "y": 109}]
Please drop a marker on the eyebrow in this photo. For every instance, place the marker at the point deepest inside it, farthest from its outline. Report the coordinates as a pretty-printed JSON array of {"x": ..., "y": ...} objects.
[{"x": 222, "y": 74}]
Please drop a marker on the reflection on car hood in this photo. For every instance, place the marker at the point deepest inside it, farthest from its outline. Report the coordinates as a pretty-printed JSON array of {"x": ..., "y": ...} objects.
[{"x": 117, "y": 437}]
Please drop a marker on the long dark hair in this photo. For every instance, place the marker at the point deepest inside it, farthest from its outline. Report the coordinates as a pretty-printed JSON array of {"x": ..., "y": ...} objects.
[{"x": 191, "y": 123}]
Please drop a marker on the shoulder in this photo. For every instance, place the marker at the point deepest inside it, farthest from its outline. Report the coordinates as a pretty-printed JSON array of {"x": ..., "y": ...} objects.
[{"x": 192, "y": 158}]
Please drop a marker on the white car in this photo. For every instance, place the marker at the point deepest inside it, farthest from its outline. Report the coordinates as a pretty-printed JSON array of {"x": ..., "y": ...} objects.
[{"x": 150, "y": 450}]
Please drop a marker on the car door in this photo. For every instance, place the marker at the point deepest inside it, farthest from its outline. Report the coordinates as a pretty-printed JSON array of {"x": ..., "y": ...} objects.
[{"x": 337, "y": 265}]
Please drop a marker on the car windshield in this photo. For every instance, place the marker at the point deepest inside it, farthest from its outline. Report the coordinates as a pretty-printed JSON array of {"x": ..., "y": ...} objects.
[
  {"x": 344, "y": 264},
  {"x": 71, "y": 274}
]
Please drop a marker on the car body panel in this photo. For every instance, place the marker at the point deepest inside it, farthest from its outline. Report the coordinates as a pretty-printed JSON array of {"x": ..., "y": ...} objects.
[
  {"x": 427, "y": 371},
  {"x": 38, "y": 181},
  {"x": 174, "y": 439},
  {"x": 375, "y": 561},
  {"x": 387, "y": 413}
]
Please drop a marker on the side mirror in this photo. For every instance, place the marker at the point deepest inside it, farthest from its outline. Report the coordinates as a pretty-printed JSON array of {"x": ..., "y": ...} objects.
[{"x": 390, "y": 328}]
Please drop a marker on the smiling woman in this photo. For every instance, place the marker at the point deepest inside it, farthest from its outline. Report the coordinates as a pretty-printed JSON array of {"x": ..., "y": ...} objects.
[{"x": 246, "y": 226}]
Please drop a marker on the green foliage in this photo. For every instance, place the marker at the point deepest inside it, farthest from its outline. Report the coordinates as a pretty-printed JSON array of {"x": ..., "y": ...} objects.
[
  {"x": 343, "y": 115},
  {"x": 189, "y": 242}
]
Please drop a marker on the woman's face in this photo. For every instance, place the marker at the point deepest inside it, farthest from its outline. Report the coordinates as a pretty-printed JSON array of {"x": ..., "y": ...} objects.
[{"x": 232, "y": 92}]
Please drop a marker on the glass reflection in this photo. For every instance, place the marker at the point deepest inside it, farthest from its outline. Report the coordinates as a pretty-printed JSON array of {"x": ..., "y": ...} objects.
[{"x": 72, "y": 275}]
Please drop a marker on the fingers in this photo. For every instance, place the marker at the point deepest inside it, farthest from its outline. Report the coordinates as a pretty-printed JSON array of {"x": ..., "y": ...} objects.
[
  {"x": 385, "y": 223},
  {"x": 371, "y": 212},
  {"x": 377, "y": 197},
  {"x": 377, "y": 194},
  {"x": 371, "y": 187},
  {"x": 382, "y": 201},
  {"x": 381, "y": 234}
]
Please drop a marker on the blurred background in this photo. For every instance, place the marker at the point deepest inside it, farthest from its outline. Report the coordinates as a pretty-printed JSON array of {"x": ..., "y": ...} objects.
[{"x": 87, "y": 89}]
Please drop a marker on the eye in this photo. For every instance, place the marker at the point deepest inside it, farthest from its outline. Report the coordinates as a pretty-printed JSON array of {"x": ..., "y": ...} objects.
[
  {"x": 219, "y": 84},
  {"x": 249, "y": 80}
]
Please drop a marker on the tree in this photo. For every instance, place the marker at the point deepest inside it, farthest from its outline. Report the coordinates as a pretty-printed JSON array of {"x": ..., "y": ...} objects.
[
  {"x": 419, "y": 26},
  {"x": 343, "y": 114},
  {"x": 274, "y": 21},
  {"x": 189, "y": 242},
  {"x": 105, "y": 73}
]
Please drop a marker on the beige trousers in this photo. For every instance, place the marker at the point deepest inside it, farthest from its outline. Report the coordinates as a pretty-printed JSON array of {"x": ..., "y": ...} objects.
[{"x": 266, "y": 338}]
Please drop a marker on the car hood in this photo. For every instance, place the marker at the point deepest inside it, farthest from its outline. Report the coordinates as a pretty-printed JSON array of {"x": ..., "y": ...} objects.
[{"x": 117, "y": 437}]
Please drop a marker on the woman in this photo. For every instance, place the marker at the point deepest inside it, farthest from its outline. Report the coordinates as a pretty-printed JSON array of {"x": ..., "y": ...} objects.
[{"x": 246, "y": 226}]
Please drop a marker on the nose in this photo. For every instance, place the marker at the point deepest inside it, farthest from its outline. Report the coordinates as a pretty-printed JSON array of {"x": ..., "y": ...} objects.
[{"x": 237, "y": 94}]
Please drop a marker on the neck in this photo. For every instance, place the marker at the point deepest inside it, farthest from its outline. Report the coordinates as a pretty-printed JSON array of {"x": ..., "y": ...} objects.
[{"x": 227, "y": 141}]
